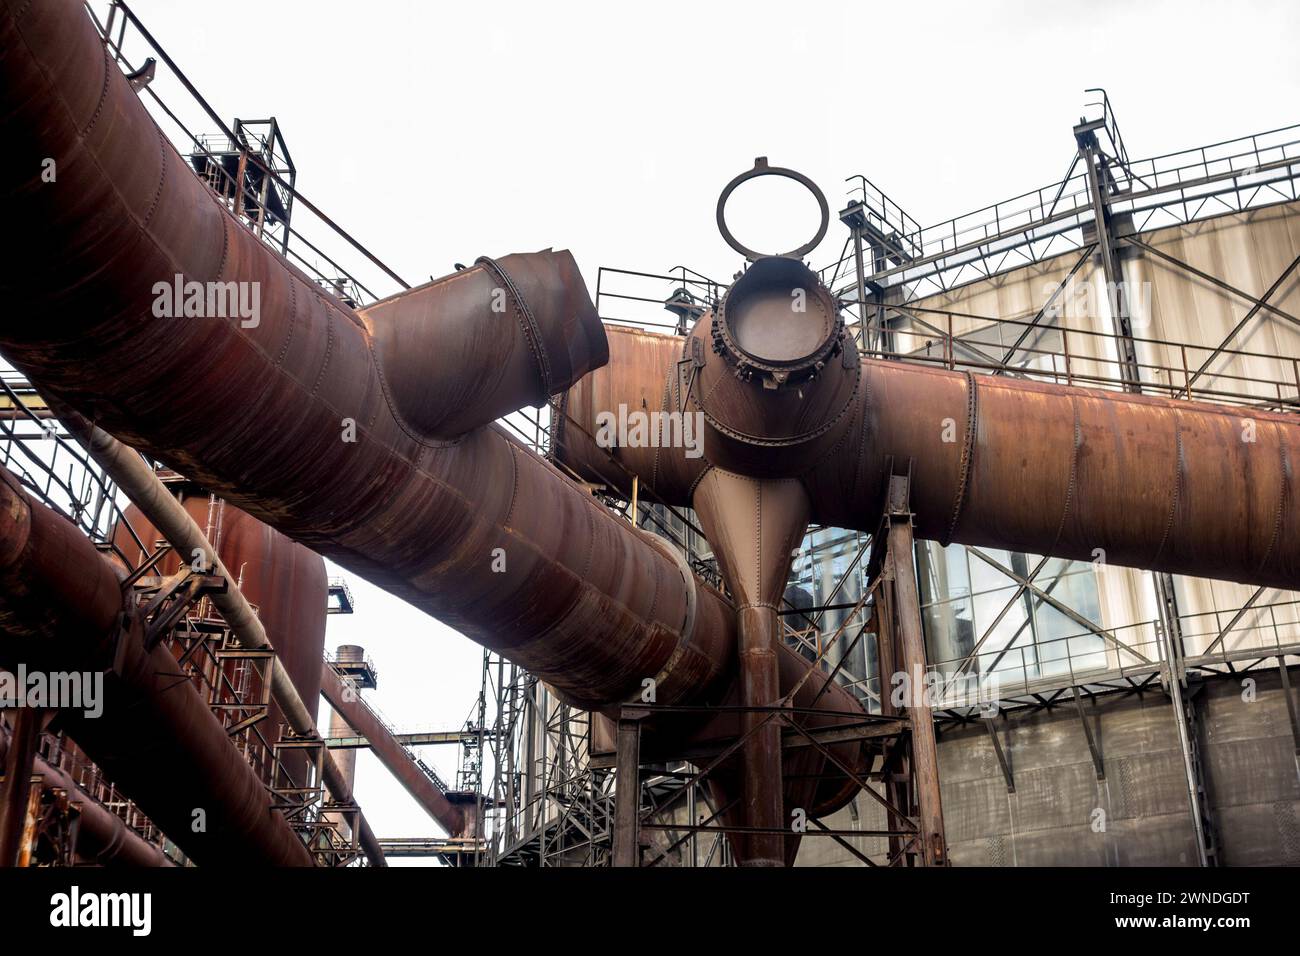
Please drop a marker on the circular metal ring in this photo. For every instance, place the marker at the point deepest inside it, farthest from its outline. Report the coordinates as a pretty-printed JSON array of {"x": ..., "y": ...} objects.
[{"x": 761, "y": 168}]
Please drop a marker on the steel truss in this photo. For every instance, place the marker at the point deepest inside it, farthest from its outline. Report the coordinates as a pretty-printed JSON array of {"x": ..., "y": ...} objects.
[{"x": 173, "y": 610}]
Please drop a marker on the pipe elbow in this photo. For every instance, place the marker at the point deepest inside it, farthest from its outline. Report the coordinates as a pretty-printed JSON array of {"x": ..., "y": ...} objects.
[{"x": 483, "y": 342}]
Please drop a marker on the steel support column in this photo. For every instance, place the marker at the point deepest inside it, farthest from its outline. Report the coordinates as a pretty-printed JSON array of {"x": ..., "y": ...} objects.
[
  {"x": 1185, "y": 719},
  {"x": 1291, "y": 709},
  {"x": 1094, "y": 162},
  {"x": 911, "y": 645},
  {"x": 759, "y": 629},
  {"x": 627, "y": 796},
  {"x": 19, "y": 766}
]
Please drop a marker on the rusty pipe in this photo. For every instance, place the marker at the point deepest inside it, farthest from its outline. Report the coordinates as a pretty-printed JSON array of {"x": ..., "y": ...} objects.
[
  {"x": 294, "y": 418},
  {"x": 18, "y": 764},
  {"x": 1134, "y": 480},
  {"x": 103, "y": 838},
  {"x": 646, "y": 375},
  {"x": 537, "y": 336},
  {"x": 754, "y": 526},
  {"x": 60, "y": 607},
  {"x": 139, "y": 483},
  {"x": 391, "y": 754},
  {"x": 1080, "y": 473},
  {"x": 777, "y": 373}
]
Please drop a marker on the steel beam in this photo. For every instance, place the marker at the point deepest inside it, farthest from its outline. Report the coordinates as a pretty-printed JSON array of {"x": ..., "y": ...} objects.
[
  {"x": 19, "y": 766},
  {"x": 924, "y": 750},
  {"x": 991, "y": 726},
  {"x": 1290, "y": 708},
  {"x": 627, "y": 799}
]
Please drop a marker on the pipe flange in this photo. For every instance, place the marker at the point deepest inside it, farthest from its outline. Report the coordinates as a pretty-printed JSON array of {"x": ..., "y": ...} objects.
[
  {"x": 687, "y": 629},
  {"x": 778, "y": 323}
]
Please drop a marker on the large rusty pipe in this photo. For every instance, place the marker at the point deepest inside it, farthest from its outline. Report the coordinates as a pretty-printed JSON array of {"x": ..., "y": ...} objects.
[
  {"x": 60, "y": 607},
  {"x": 518, "y": 356},
  {"x": 294, "y": 418},
  {"x": 391, "y": 754},
  {"x": 1082, "y": 473},
  {"x": 103, "y": 838},
  {"x": 139, "y": 483},
  {"x": 1147, "y": 482}
]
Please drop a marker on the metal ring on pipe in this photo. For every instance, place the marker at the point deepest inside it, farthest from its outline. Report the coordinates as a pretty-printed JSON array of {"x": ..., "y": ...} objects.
[{"x": 761, "y": 168}]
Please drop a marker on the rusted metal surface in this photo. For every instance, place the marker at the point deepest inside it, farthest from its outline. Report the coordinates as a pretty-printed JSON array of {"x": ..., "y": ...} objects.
[
  {"x": 645, "y": 374},
  {"x": 627, "y": 802},
  {"x": 142, "y": 485},
  {"x": 581, "y": 600},
  {"x": 19, "y": 763},
  {"x": 1140, "y": 481},
  {"x": 754, "y": 526},
  {"x": 472, "y": 528},
  {"x": 1133, "y": 480},
  {"x": 283, "y": 580},
  {"x": 779, "y": 374},
  {"x": 103, "y": 839},
  {"x": 59, "y": 607},
  {"x": 365, "y": 436},
  {"x": 759, "y": 630},
  {"x": 345, "y": 759},
  {"x": 523, "y": 323},
  {"x": 391, "y": 754},
  {"x": 911, "y": 646}
]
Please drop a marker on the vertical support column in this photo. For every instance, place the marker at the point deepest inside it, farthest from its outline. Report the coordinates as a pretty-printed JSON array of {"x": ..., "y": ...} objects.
[
  {"x": 1090, "y": 154},
  {"x": 896, "y": 789},
  {"x": 1184, "y": 719},
  {"x": 627, "y": 795},
  {"x": 1130, "y": 370},
  {"x": 855, "y": 217},
  {"x": 911, "y": 643},
  {"x": 345, "y": 759},
  {"x": 1291, "y": 710},
  {"x": 861, "y": 270},
  {"x": 19, "y": 763}
]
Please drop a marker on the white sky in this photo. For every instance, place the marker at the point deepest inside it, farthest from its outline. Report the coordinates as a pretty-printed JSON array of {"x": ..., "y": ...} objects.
[{"x": 439, "y": 132}]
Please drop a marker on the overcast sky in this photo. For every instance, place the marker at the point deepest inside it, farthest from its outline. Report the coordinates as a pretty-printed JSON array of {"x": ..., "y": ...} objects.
[{"x": 440, "y": 132}]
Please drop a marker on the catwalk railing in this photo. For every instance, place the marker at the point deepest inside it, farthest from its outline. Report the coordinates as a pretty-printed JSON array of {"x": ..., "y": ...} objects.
[
  {"x": 387, "y": 725},
  {"x": 1170, "y": 189},
  {"x": 1217, "y": 642},
  {"x": 312, "y": 240}
]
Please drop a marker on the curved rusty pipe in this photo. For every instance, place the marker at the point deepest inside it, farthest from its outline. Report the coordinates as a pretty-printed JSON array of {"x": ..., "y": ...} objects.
[
  {"x": 143, "y": 487},
  {"x": 60, "y": 605},
  {"x": 102, "y": 837},
  {"x": 296, "y": 419},
  {"x": 1135, "y": 480},
  {"x": 536, "y": 336}
]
